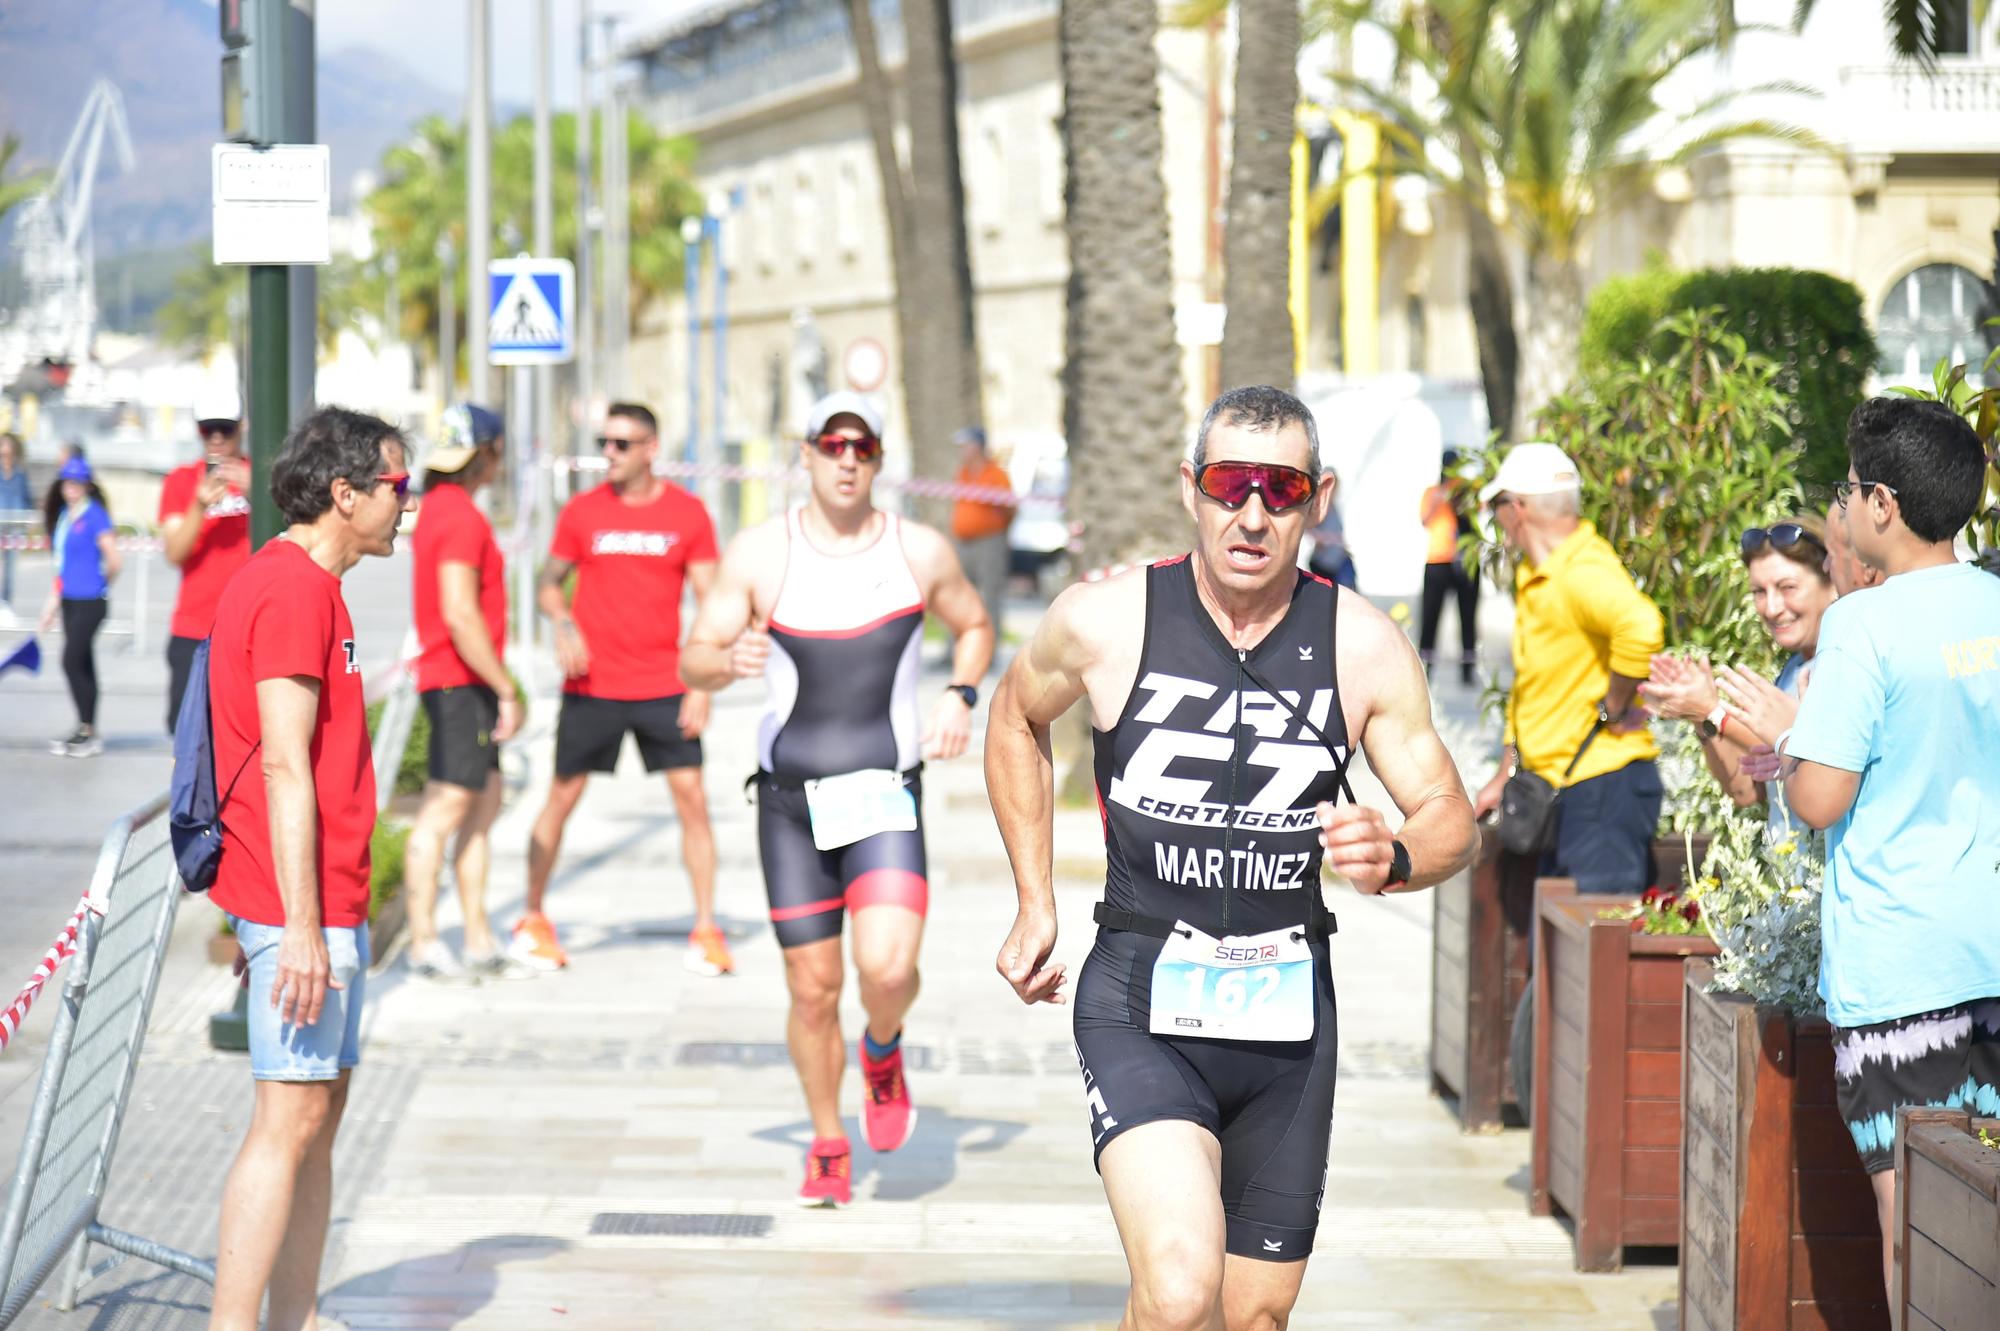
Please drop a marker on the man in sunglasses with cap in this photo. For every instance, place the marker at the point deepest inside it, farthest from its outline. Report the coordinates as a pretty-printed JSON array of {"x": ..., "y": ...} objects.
[
  {"x": 205, "y": 526},
  {"x": 1228, "y": 692},
  {"x": 632, "y": 544},
  {"x": 827, "y": 603}
]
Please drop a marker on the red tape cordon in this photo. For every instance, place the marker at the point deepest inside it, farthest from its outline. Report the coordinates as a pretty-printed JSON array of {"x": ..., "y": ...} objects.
[{"x": 60, "y": 951}]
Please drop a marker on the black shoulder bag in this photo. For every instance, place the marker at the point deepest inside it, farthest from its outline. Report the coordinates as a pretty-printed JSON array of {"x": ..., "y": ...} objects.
[{"x": 1527, "y": 824}]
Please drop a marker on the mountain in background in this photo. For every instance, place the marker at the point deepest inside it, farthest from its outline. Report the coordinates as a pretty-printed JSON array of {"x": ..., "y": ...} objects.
[{"x": 165, "y": 58}]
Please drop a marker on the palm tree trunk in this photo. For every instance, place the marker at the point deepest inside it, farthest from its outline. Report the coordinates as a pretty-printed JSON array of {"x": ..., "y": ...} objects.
[
  {"x": 1257, "y": 339},
  {"x": 1122, "y": 374},
  {"x": 936, "y": 204},
  {"x": 1555, "y": 326},
  {"x": 1490, "y": 295}
]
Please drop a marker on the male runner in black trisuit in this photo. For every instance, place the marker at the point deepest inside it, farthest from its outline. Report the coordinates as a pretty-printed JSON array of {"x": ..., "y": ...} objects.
[{"x": 1228, "y": 691}]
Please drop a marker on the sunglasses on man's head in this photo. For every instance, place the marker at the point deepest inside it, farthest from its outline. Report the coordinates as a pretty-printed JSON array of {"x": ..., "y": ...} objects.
[
  {"x": 1779, "y": 536},
  {"x": 1230, "y": 483},
  {"x": 866, "y": 449},
  {"x": 399, "y": 479},
  {"x": 605, "y": 441}
]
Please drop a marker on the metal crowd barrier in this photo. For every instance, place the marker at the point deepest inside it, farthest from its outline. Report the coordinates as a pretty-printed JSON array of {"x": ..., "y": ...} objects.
[
  {"x": 79, "y": 1104},
  {"x": 22, "y": 534}
]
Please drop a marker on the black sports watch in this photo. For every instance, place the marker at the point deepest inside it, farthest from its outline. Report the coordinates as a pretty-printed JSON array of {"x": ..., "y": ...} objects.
[
  {"x": 966, "y": 693},
  {"x": 1399, "y": 865}
]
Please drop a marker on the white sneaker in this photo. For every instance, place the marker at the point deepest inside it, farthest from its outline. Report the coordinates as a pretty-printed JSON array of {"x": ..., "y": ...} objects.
[
  {"x": 434, "y": 962},
  {"x": 499, "y": 966}
]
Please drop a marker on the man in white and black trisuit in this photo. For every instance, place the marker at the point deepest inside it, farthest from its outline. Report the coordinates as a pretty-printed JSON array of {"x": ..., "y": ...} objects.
[
  {"x": 1228, "y": 691},
  {"x": 827, "y": 603}
]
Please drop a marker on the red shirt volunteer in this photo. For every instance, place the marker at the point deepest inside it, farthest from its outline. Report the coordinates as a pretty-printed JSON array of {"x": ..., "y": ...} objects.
[
  {"x": 284, "y": 616},
  {"x": 218, "y": 552},
  {"x": 451, "y": 529},
  {"x": 630, "y": 564}
]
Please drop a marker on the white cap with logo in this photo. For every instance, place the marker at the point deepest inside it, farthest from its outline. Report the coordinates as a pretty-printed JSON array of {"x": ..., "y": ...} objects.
[
  {"x": 1533, "y": 469},
  {"x": 843, "y": 403}
]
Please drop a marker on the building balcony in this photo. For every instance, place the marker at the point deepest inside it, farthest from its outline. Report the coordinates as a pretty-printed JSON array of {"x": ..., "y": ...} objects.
[{"x": 1900, "y": 109}]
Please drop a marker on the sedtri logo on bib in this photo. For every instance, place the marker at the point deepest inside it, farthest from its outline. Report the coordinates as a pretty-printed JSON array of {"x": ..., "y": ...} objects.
[{"x": 1242, "y": 987}]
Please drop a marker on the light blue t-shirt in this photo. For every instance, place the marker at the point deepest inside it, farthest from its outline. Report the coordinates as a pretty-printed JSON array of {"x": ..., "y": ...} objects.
[
  {"x": 1906, "y": 691},
  {"x": 1778, "y": 814}
]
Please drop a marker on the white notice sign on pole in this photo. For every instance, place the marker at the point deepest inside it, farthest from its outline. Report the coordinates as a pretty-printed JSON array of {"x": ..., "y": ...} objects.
[{"x": 270, "y": 204}]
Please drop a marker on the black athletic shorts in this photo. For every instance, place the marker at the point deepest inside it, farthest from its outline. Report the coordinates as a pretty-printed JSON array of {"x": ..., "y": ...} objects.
[
  {"x": 1948, "y": 1058},
  {"x": 811, "y": 890},
  {"x": 1269, "y": 1104},
  {"x": 463, "y": 750},
  {"x": 590, "y": 731}
]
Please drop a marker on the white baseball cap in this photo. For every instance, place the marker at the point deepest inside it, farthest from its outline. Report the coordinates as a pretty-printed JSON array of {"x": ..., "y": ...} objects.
[
  {"x": 844, "y": 403},
  {"x": 1533, "y": 469}
]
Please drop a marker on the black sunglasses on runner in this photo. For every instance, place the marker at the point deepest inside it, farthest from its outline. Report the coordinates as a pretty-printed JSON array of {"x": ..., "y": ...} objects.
[
  {"x": 866, "y": 449},
  {"x": 1230, "y": 483},
  {"x": 1779, "y": 535}
]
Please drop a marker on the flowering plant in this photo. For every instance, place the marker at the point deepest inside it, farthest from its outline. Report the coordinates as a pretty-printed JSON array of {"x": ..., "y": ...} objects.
[
  {"x": 1759, "y": 895},
  {"x": 1661, "y": 912}
]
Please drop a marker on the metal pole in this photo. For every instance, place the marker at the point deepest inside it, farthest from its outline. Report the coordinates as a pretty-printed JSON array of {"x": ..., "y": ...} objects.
[
  {"x": 617, "y": 255},
  {"x": 447, "y": 321},
  {"x": 524, "y": 517},
  {"x": 270, "y": 394},
  {"x": 711, "y": 488},
  {"x": 586, "y": 297},
  {"x": 545, "y": 225},
  {"x": 301, "y": 126},
  {"x": 478, "y": 198},
  {"x": 691, "y": 234}
]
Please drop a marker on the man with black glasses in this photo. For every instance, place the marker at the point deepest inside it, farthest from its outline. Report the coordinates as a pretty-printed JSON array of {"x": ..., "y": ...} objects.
[
  {"x": 1893, "y": 755},
  {"x": 1228, "y": 692},
  {"x": 631, "y": 543},
  {"x": 827, "y": 603}
]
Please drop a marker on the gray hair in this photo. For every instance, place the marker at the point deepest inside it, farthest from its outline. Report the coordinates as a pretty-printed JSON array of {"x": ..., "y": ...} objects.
[
  {"x": 1558, "y": 504},
  {"x": 1262, "y": 410}
]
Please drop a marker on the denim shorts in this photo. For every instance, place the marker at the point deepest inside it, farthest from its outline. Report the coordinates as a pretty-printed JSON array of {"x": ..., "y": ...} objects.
[{"x": 287, "y": 1051}]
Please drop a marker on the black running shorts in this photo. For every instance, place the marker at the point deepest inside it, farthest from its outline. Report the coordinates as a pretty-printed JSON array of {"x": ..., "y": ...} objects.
[
  {"x": 463, "y": 750},
  {"x": 811, "y": 890},
  {"x": 1950, "y": 1058},
  {"x": 1269, "y": 1104},
  {"x": 590, "y": 731}
]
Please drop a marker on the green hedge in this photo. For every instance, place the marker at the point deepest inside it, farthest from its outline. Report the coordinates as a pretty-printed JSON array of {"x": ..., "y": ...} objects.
[
  {"x": 1810, "y": 323},
  {"x": 386, "y": 847},
  {"x": 414, "y": 771}
]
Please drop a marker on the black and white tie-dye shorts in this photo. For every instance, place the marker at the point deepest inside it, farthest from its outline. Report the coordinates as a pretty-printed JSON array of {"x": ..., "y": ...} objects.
[{"x": 1948, "y": 1058}]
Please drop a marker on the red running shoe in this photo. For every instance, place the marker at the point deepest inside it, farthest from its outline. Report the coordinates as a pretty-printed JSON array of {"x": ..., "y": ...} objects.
[
  {"x": 829, "y": 1174},
  {"x": 887, "y": 1116}
]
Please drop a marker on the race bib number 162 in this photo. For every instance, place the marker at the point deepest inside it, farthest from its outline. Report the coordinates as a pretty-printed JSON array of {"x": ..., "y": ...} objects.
[{"x": 1254, "y": 987}]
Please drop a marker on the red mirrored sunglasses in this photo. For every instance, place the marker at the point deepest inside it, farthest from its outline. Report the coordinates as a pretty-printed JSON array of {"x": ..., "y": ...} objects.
[
  {"x": 399, "y": 479},
  {"x": 1230, "y": 483},
  {"x": 866, "y": 449}
]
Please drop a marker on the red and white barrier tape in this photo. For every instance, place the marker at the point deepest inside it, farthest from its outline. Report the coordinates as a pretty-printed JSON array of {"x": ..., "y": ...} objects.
[
  {"x": 916, "y": 485},
  {"x": 60, "y": 951},
  {"x": 138, "y": 544}
]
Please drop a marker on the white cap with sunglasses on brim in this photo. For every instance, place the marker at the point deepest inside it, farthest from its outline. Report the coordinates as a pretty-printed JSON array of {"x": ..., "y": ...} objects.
[
  {"x": 843, "y": 403},
  {"x": 1533, "y": 469}
]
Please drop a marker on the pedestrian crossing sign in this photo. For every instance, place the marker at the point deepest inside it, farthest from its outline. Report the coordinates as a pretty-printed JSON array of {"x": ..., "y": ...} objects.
[{"x": 531, "y": 311}]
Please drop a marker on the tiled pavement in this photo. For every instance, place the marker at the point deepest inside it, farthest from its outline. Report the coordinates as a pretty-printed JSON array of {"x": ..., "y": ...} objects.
[{"x": 616, "y": 1146}]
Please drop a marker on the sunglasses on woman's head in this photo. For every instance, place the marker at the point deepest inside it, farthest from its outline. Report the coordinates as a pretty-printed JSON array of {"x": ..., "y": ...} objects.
[
  {"x": 1779, "y": 536},
  {"x": 1230, "y": 483},
  {"x": 866, "y": 449}
]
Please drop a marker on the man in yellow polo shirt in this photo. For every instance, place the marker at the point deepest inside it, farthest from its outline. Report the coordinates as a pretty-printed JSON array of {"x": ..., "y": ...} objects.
[{"x": 1584, "y": 636}]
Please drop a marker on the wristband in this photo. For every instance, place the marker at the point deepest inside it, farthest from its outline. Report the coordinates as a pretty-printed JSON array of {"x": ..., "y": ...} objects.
[{"x": 1784, "y": 738}]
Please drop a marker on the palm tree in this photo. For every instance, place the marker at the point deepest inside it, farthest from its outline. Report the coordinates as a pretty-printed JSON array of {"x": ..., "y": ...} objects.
[
  {"x": 924, "y": 202},
  {"x": 1257, "y": 343},
  {"x": 22, "y": 188},
  {"x": 1919, "y": 30},
  {"x": 1122, "y": 381},
  {"x": 1547, "y": 114}
]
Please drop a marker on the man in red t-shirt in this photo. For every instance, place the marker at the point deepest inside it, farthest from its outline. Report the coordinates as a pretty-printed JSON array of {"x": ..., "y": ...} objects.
[
  {"x": 205, "y": 523},
  {"x": 462, "y": 681},
  {"x": 631, "y": 542},
  {"x": 297, "y": 787}
]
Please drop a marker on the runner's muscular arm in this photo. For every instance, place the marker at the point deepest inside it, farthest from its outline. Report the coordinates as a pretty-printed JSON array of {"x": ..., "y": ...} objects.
[
  {"x": 949, "y": 593},
  {"x": 726, "y": 643},
  {"x": 1410, "y": 761},
  {"x": 287, "y": 710},
  {"x": 694, "y": 703}
]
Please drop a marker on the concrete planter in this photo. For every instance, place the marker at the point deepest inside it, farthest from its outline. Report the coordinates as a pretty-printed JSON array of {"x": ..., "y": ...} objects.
[
  {"x": 1778, "y": 1226},
  {"x": 1947, "y": 1222},
  {"x": 1607, "y": 1087}
]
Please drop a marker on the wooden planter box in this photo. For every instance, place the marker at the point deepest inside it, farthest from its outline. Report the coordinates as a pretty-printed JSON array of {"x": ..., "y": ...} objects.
[
  {"x": 1778, "y": 1226},
  {"x": 1607, "y": 1088},
  {"x": 1947, "y": 1222},
  {"x": 1480, "y": 922}
]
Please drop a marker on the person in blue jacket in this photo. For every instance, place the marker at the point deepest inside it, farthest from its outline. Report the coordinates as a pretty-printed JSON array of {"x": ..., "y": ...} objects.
[{"x": 86, "y": 555}]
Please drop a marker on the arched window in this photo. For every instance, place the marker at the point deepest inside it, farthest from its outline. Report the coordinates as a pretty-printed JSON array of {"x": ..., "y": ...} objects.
[{"x": 1933, "y": 314}]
